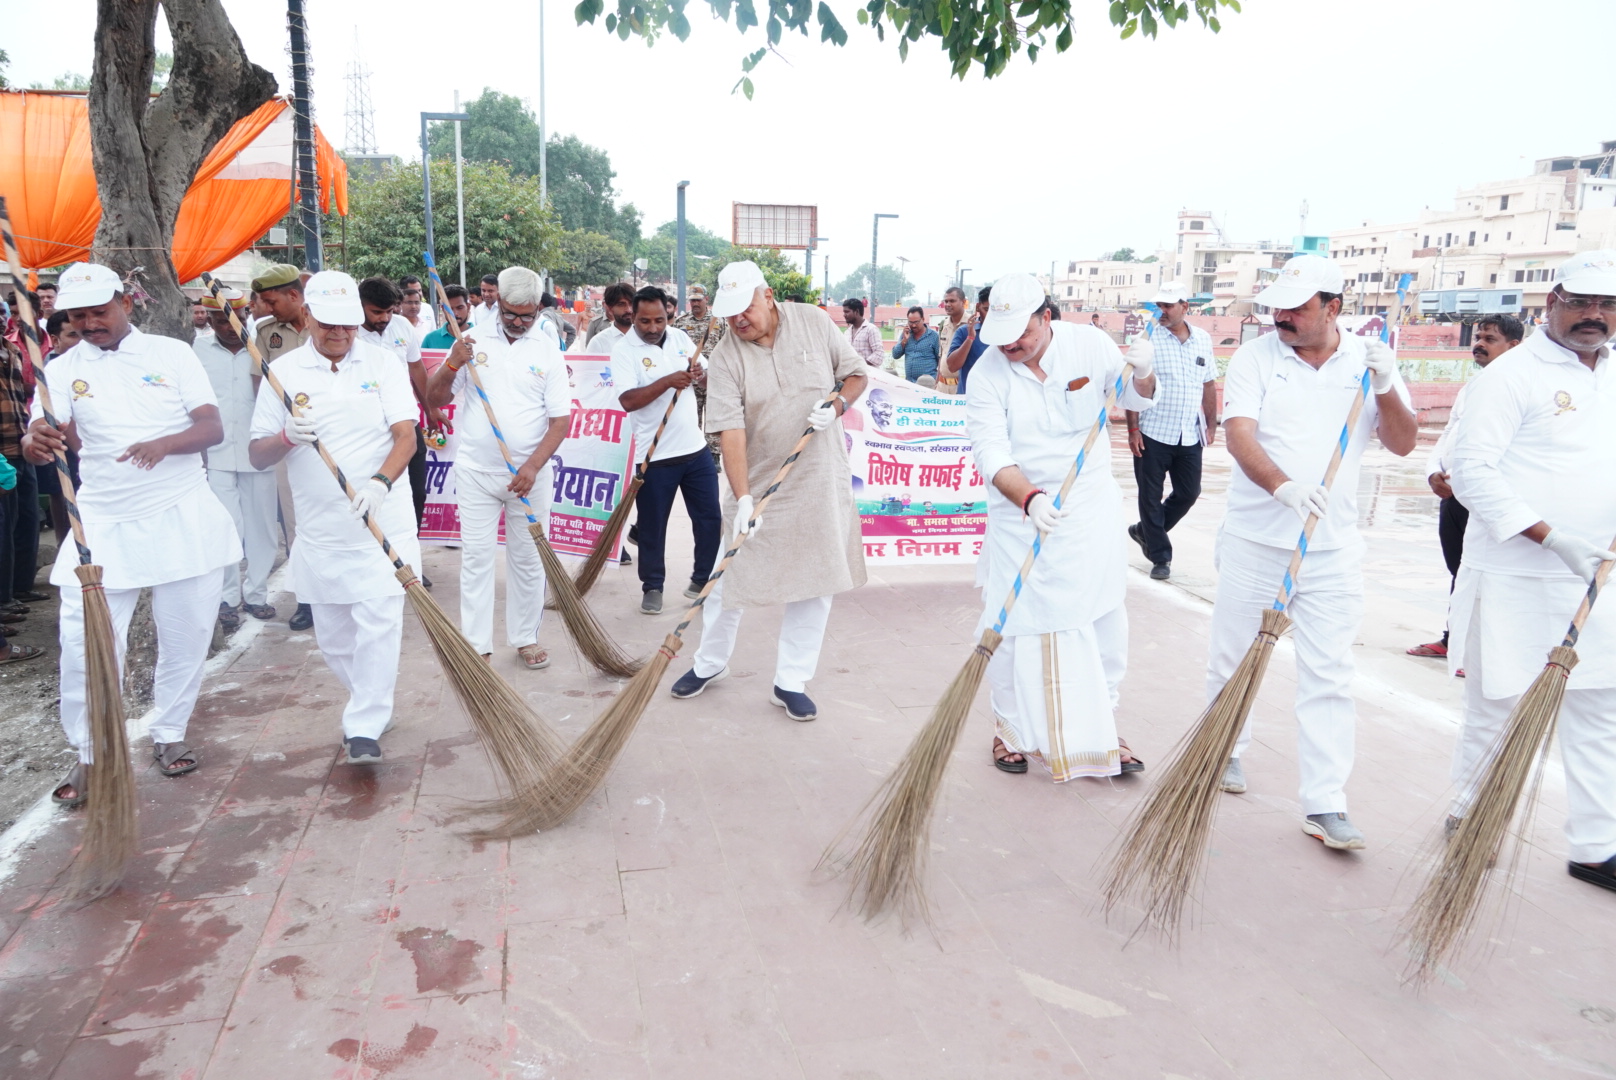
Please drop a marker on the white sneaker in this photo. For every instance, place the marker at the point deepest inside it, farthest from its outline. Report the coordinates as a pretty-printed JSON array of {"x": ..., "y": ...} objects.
[{"x": 1234, "y": 778}]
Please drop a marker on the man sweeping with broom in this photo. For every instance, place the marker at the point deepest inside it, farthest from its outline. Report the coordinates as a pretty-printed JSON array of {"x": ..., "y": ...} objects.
[
  {"x": 139, "y": 410},
  {"x": 773, "y": 370},
  {"x": 1033, "y": 399},
  {"x": 1535, "y": 463},
  {"x": 1283, "y": 400},
  {"x": 355, "y": 398},
  {"x": 526, "y": 377}
]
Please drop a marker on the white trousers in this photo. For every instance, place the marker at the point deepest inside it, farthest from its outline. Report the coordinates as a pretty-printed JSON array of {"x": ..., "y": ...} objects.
[
  {"x": 483, "y": 497},
  {"x": 250, "y": 497},
  {"x": 802, "y": 633},
  {"x": 1587, "y": 735},
  {"x": 360, "y": 643},
  {"x": 184, "y": 612},
  {"x": 1325, "y": 610}
]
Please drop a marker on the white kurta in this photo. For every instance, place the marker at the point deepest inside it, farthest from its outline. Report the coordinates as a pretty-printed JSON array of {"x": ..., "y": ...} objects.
[
  {"x": 1055, "y": 678},
  {"x": 335, "y": 559}
]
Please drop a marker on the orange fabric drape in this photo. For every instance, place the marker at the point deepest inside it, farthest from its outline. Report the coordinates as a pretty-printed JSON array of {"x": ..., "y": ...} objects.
[{"x": 242, "y": 187}]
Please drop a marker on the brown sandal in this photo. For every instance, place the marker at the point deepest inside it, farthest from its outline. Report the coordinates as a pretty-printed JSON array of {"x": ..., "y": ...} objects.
[
  {"x": 175, "y": 758},
  {"x": 75, "y": 780},
  {"x": 16, "y": 654}
]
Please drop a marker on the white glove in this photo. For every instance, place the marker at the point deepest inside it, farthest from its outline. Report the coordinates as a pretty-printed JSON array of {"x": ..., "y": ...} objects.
[
  {"x": 743, "y": 515},
  {"x": 820, "y": 416},
  {"x": 1041, "y": 511},
  {"x": 1382, "y": 364},
  {"x": 1142, "y": 355},
  {"x": 300, "y": 430},
  {"x": 1303, "y": 499},
  {"x": 1582, "y": 556},
  {"x": 369, "y": 499}
]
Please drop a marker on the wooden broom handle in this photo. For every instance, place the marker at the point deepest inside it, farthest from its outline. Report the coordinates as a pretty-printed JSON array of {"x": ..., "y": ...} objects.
[
  {"x": 1584, "y": 609},
  {"x": 30, "y": 336},
  {"x": 695, "y": 362},
  {"x": 1282, "y": 601},
  {"x": 286, "y": 399}
]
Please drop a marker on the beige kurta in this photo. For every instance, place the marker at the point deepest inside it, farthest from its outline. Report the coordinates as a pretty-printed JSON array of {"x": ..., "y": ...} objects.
[{"x": 810, "y": 542}]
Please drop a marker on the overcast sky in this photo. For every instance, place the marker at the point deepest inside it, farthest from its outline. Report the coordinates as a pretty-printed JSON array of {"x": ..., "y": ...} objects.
[{"x": 1369, "y": 110}]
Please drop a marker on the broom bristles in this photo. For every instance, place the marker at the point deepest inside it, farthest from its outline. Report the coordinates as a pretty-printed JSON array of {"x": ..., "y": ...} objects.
[
  {"x": 1451, "y": 900},
  {"x": 595, "y": 561},
  {"x": 518, "y": 740},
  {"x": 1158, "y": 860},
  {"x": 591, "y": 638},
  {"x": 888, "y": 867},
  {"x": 111, "y": 834},
  {"x": 583, "y": 768}
]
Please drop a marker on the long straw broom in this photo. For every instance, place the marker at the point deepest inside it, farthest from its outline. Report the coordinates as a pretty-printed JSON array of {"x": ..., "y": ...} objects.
[
  {"x": 888, "y": 866},
  {"x": 1159, "y": 857},
  {"x": 585, "y": 765},
  {"x": 596, "y": 645},
  {"x": 1448, "y": 905},
  {"x": 595, "y": 561},
  {"x": 111, "y": 831},
  {"x": 521, "y": 744}
]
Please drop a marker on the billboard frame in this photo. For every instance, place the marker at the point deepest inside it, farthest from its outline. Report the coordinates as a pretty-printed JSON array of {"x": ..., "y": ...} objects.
[{"x": 781, "y": 221}]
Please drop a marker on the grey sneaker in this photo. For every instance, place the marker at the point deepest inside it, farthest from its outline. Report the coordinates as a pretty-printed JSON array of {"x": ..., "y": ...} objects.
[
  {"x": 1335, "y": 830},
  {"x": 651, "y": 602},
  {"x": 1450, "y": 828},
  {"x": 1234, "y": 778}
]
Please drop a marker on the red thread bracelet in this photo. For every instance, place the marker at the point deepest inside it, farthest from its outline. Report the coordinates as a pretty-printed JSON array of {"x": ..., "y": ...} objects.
[{"x": 1028, "y": 500}]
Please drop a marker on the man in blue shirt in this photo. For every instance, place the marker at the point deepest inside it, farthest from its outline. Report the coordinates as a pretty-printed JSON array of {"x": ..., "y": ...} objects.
[
  {"x": 966, "y": 347},
  {"x": 917, "y": 347}
]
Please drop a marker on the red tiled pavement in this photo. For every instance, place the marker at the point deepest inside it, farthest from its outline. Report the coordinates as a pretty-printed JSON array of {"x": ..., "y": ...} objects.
[{"x": 291, "y": 917}]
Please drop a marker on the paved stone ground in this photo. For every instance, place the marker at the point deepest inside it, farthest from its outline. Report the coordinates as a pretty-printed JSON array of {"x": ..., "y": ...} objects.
[{"x": 291, "y": 917}]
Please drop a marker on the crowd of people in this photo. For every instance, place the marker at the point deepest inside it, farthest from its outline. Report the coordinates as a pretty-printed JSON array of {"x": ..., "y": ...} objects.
[{"x": 186, "y": 456}]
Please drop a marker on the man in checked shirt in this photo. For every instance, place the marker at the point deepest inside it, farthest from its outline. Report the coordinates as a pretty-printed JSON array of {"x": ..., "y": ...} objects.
[{"x": 1167, "y": 440}]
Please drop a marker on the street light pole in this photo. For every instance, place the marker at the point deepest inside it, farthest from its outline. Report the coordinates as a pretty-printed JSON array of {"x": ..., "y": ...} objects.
[
  {"x": 679, "y": 250},
  {"x": 903, "y": 274},
  {"x": 808, "y": 258},
  {"x": 460, "y": 195},
  {"x": 426, "y": 170},
  {"x": 875, "y": 245}
]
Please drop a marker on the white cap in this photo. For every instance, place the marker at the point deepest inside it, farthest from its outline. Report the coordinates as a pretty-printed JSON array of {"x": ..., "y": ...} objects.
[
  {"x": 1011, "y": 303},
  {"x": 333, "y": 298},
  {"x": 86, "y": 285},
  {"x": 1299, "y": 281},
  {"x": 1593, "y": 273},
  {"x": 737, "y": 283},
  {"x": 1171, "y": 292}
]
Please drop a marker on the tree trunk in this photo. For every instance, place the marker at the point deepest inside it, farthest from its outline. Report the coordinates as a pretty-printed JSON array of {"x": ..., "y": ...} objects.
[{"x": 147, "y": 151}]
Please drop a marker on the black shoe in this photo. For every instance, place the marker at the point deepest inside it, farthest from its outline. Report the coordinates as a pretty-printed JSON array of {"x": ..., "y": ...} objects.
[
  {"x": 634, "y": 534},
  {"x": 651, "y": 602},
  {"x": 1603, "y": 875},
  {"x": 1137, "y": 535},
  {"x": 627, "y": 559},
  {"x": 690, "y": 684},
  {"x": 1161, "y": 571},
  {"x": 362, "y": 751},
  {"x": 798, "y": 706},
  {"x": 426, "y": 581},
  {"x": 302, "y": 618}
]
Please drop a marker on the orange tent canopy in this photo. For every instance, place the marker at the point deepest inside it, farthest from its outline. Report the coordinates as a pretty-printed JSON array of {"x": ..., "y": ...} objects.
[{"x": 243, "y": 187}]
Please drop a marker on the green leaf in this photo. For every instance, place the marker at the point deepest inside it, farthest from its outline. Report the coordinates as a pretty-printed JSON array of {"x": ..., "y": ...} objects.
[
  {"x": 774, "y": 30},
  {"x": 830, "y": 27},
  {"x": 1212, "y": 21},
  {"x": 863, "y": 17},
  {"x": 903, "y": 49},
  {"x": 1127, "y": 31},
  {"x": 1064, "y": 40},
  {"x": 587, "y": 11},
  {"x": 753, "y": 60},
  {"x": 746, "y": 88},
  {"x": 945, "y": 18},
  {"x": 611, "y": 24},
  {"x": 1119, "y": 12},
  {"x": 1147, "y": 23}
]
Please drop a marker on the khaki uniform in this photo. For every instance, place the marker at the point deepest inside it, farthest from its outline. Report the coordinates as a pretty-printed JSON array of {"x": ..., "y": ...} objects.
[
  {"x": 274, "y": 340},
  {"x": 695, "y": 328}
]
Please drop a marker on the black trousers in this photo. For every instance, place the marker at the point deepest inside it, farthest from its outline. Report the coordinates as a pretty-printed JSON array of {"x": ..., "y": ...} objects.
[
  {"x": 1157, "y": 517},
  {"x": 19, "y": 554},
  {"x": 1451, "y": 519},
  {"x": 696, "y": 477},
  {"x": 417, "y": 473}
]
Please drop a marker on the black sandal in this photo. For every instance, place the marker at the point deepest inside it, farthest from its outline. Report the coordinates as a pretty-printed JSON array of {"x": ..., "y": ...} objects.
[
  {"x": 1130, "y": 766},
  {"x": 175, "y": 758},
  {"x": 1603, "y": 874},
  {"x": 75, "y": 780},
  {"x": 1003, "y": 762}
]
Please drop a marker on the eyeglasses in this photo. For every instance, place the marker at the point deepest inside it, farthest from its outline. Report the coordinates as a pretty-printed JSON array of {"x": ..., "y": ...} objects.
[
  {"x": 1606, "y": 305},
  {"x": 514, "y": 319}
]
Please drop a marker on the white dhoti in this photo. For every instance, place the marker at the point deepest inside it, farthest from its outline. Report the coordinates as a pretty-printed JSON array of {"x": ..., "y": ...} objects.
[
  {"x": 1055, "y": 696},
  {"x": 1504, "y": 626},
  {"x": 184, "y": 613},
  {"x": 483, "y": 497},
  {"x": 250, "y": 499},
  {"x": 1326, "y": 610},
  {"x": 802, "y": 634},
  {"x": 360, "y": 643}
]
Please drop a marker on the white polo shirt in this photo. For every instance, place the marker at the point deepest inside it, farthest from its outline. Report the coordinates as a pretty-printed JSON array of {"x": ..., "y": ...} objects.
[
  {"x": 1538, "y": 443},
  {"x": 603, "y": 343},
  {"x": 637, "y": 364},
  {"x": 144, "y": 388},
  {"x": 398, "y": 338},
  {"x": 231, "y": 375},
  {"x": 335, "y": 560},
  {"x": 1299, "y": 412},
  {"x": 526, "y": 382}
]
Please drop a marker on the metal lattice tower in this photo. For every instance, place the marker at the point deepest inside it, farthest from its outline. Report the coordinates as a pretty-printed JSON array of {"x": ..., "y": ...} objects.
[{"x": 361, "y": 133}]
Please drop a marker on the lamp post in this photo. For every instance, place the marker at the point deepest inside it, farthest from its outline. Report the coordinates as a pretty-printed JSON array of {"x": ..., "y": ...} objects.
[
  {"x": 426, "y": 170},
  {"x": 460, "y": 195},
  {"x": 875, "y": 245},
  {"x": 808, "y": 258},
  {"x": 903, "y": 274},
  {"x": 679, "y": 250}
]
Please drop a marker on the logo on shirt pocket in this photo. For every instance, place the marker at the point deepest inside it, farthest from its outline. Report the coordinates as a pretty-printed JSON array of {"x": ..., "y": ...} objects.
[
  {"x": 1563, "y": 402},
  {"x": 155, "y": 382},
  {"x": 648, "y": 362},
  {"x": 81, "y": 389},
  {"x": 370, "y": 387},
  {"x": 301, "y": 400},
  {"x": 537, "y": 372}
]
